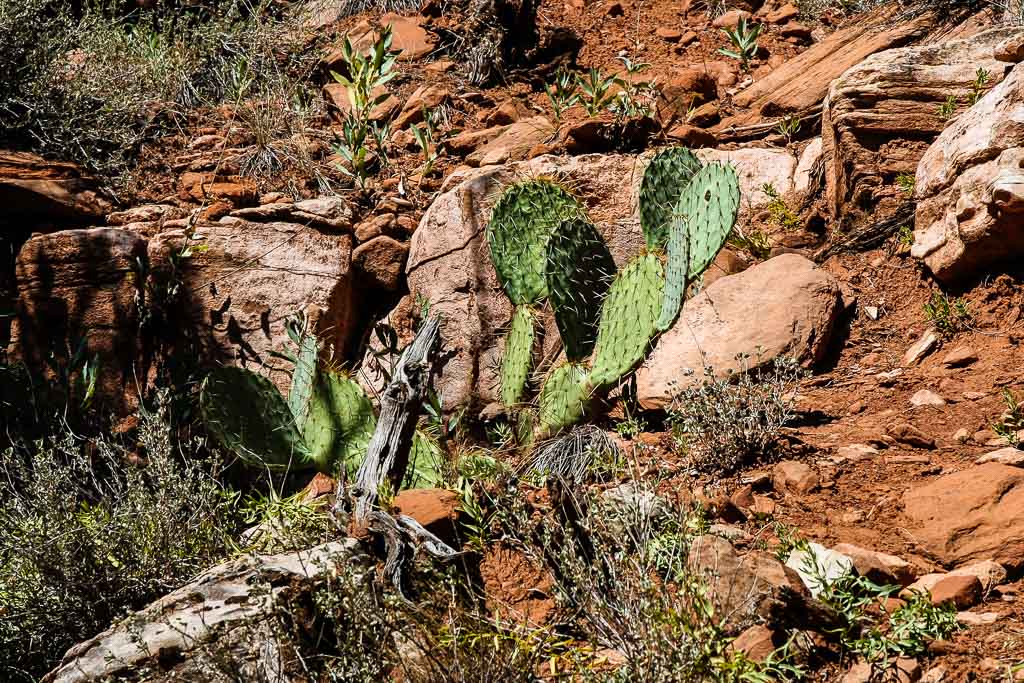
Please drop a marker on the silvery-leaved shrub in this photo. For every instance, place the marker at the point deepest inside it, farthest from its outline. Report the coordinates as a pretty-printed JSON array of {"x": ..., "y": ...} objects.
[{"x": 726, "y": 423}]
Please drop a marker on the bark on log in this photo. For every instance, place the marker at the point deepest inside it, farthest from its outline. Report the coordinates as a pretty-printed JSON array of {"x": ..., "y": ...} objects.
[{"x": 387, "y": 456}]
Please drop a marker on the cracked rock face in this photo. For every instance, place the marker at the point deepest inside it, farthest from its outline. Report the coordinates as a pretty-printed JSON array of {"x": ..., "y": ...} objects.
[{"x": 970, "y": 188}]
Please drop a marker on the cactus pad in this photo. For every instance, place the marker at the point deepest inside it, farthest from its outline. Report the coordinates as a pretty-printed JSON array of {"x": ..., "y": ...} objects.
[
  {"x": 521, "y": 223},
  {"x": 518, "y": 359},
  {"x": 564, "y": 398},
  {"x": 709, "y": 205},
  {"x": 425, "y": 459},
  {"x": 676, "y": 269},
  {"x": 339, "y": 422},
  {"x": 628, "y": 318},
  {"x": 247, "y": 414},
  {"x": 579, "y": 271},
  {"x": 303, "y": 374},
  {"x": 668, "y": 172}
]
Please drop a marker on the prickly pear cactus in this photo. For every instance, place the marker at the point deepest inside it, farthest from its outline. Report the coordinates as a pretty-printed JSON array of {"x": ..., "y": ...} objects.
[
  {"x": 709, "y": 205},
  {"x": 563, "y": 399},
  {"x": 247, "y": 414},
  {"x": 579, "y": 271},
  {"x": 518, "y": 358},
  {"x": 339, "y": 422},
  {"x": 666, "y": 175},
  {"x": 521, "y": 223},
  {"x": 628, "y": 317}
]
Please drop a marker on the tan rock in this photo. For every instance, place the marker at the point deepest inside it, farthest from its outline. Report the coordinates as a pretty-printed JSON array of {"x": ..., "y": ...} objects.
[
  {"x": 783, "y": 14},
  {"x": 991, "y": 574},
  {"x": 381, "y": 260},
  {"x": 879, "y": 567},
  {"x": 890, "y": 101},
  {"x": 464, "y": 143},
  {"x": 910, "y": 435},
  {"x": 971, "y": 515},
  {"x": 757, "y": 643},
  {"x": 742, "y": 586},
  {"x": 424, "y": 98},
  {"x": 960, "y": 357},
  {"x": 794, "y": 477},
  {"x": 730, "y": 19},
  {"x": 969, "y": 188},
  {"x": 926, "y": 397},
  {"x": 1004, "y": 456},
  {"x": 1011, "y": 49},
  {"x": 922, "y": 347},
  {"x": 81, "y": 287},
  {"x": 409, "y": 36},
  {"x": 437, "y": 510},
  {"x": 513, "y": 143},
  {"x": 962, "y": 591},
  {"x": 796, "y": 303},
  {"x": 36, "y": 191}
]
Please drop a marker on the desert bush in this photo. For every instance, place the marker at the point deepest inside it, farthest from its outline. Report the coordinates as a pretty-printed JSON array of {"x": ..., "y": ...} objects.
[
  {"x": 726, "y": 423},
  {"x": 620, "y": 569},
  {"x": 93, "y": 529},
  {"x": 93, "y": 87}
]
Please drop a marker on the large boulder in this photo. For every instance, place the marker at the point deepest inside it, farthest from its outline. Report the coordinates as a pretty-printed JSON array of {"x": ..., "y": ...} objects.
[
  {"x": 82, "y": 289},
  {"x": 881, "y": 115},
  {"x": 243, "y": 280},
  {"x": 215, "y": 298},
  {"x": 449, "y": 265},
  {"x": 795, "y": 306},
  {"x": 970, "y": 188},
  {"x": 972, "y": 515},
  {"x": 219, "y": 627}
]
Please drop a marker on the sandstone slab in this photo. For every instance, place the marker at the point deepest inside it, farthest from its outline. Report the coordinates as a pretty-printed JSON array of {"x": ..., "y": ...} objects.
[
  {"x": 882, "y": 114},
  {"x": 971, "y": 515}
]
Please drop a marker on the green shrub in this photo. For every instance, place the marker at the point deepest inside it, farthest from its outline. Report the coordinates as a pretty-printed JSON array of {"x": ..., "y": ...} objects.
[
  {"x": 94, "y": 87},
  {"x": 93, "y": 529}
]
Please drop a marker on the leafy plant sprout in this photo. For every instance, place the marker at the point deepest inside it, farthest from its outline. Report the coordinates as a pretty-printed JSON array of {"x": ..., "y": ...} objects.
[
  {"x": 366, "y": 74},
  {"x": 596, "y": 92},
  {"x": 562, "y": 93},
  {"x": 788, "y": 127},
  {"x": 981, "y": 78},
  {"x": 426, "y": 141},
  {"x": 744, "y": 41},
  {"x": 947, "y": 108},
  {"x": 947, "y": 315},
  {"x": 906, "y": 182},
  {"x": 636, "y": 96}
]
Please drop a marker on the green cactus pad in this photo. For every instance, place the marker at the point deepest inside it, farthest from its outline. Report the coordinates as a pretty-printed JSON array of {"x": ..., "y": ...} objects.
[
  {"x": 518, "y": 359},
  {"x": 425, "y": 460},
  {"x": 709, "y": 205},
  {"x": 668, "y": 172},
  {"x": 247, "y": 414},
  {"x": 563, "y": 399},
  {"x": 339, "y": 422},
  {"x": 579, "y": 271},
  {"x": 628, "y": 318},
  {"x": 521, "y": 223},
  {"x": 676, "y": 279},
  {"x": 303, "y": 375}
]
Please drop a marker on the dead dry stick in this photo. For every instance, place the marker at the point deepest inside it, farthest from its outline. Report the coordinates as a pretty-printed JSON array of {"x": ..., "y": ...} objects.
[{"x": 387, "y": 458}]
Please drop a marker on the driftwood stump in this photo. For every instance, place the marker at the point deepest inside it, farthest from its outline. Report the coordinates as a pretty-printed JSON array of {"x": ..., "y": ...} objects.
[{"x": 387, "y": 458}]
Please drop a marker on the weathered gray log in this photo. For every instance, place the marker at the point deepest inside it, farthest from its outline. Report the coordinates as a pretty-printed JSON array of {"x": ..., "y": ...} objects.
[{"x": 387, "y": 456}]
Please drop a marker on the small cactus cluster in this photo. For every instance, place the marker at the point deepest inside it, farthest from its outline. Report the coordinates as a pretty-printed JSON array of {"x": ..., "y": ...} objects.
[
  {"x": 325, "y": 424},
  {"x": 544, "y": 246}
]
